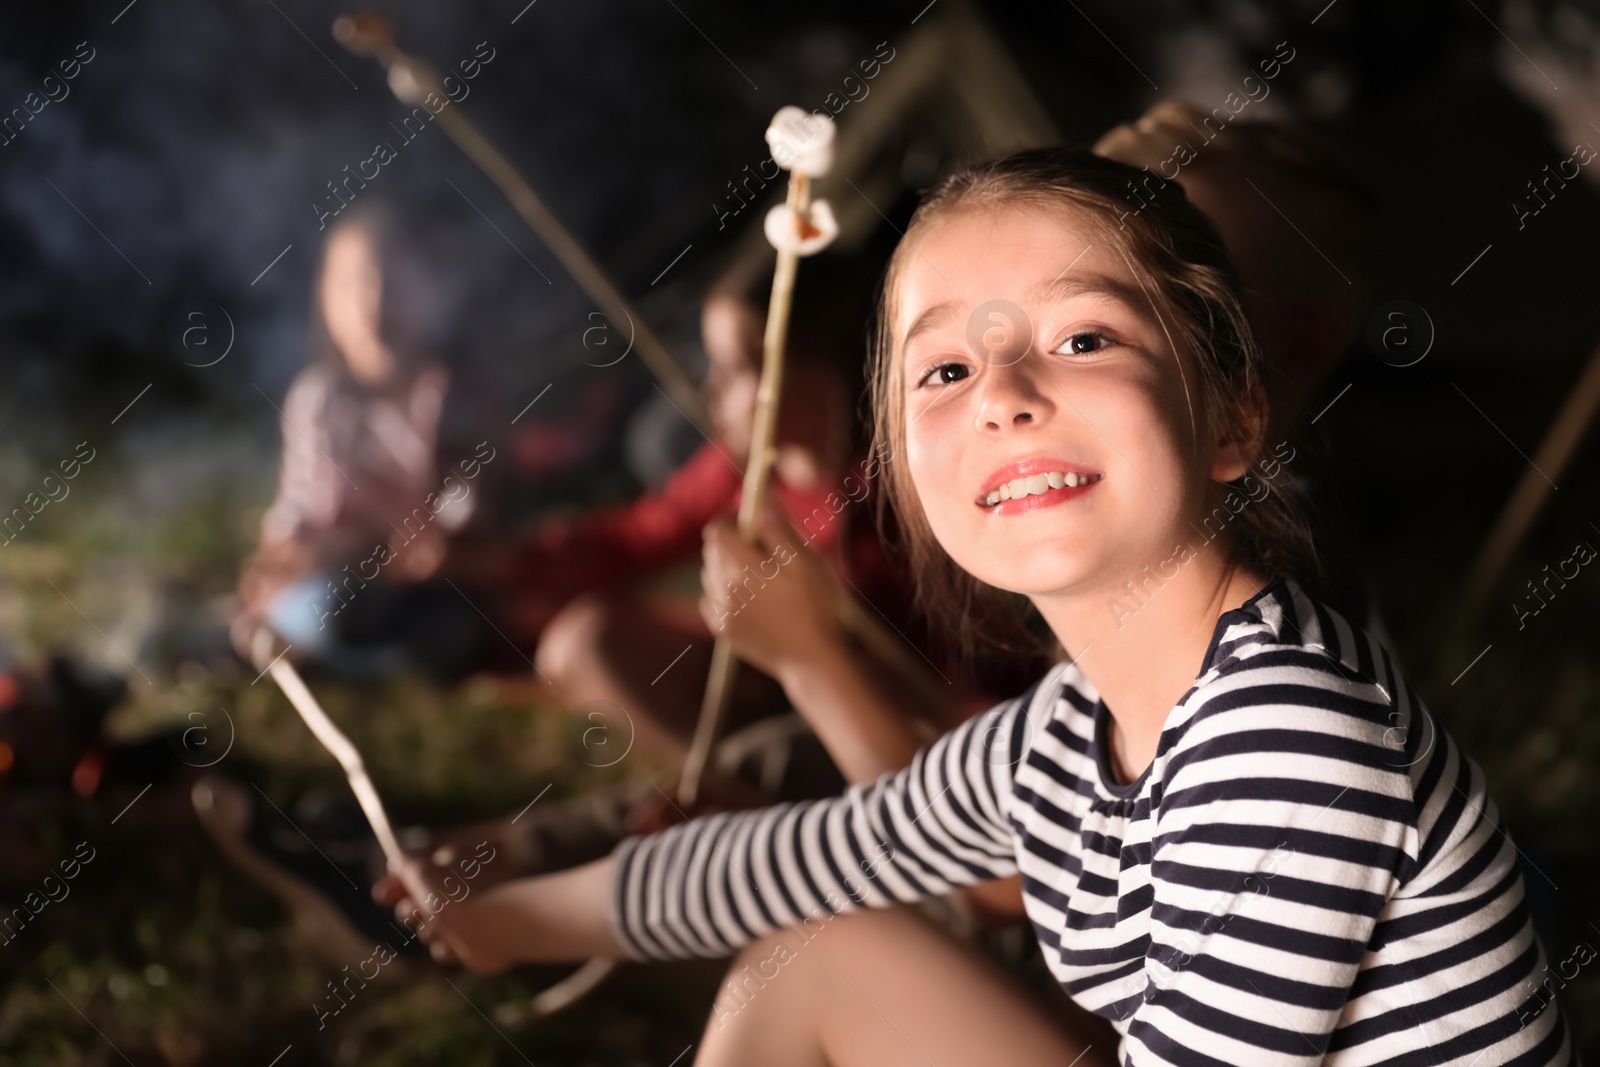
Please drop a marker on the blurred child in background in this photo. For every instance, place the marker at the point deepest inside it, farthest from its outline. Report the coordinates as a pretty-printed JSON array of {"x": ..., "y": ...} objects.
[{"x": 360, "y": 465}]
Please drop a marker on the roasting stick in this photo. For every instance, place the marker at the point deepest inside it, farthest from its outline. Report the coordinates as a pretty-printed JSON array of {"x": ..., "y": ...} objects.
[
  {"x": 412, "y": 81},
  {"x": 1533, "y": 491},
  {"x": 334, "y": 741},
  {"x": 551, "y": 1000},
  {"x": 798, "y": 227}
]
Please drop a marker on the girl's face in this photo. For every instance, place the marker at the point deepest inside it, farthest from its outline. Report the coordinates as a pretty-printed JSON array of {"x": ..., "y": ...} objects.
[
  {"x": 352, "y": 301},
  {"x": 1049, "y": 434},
  {"x": 731, "y": 330}
]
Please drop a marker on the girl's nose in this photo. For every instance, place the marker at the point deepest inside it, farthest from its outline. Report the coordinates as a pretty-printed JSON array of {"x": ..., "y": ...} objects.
[{"x": 1010, "y": 398}]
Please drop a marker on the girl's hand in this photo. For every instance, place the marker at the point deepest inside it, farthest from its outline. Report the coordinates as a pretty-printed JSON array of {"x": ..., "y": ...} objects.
[
  {"x": 435, "y": 902},
  {"x": 776, "y": 600},
  {"x": 421, "y": 557}
]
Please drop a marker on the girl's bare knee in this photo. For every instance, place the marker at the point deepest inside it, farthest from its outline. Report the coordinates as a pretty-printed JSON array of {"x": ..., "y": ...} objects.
[
  {"x": 760, "y": 964},
  {"x": 818, "y": 945},
  {"x": 569, "y": 647},
  {"x": 782, "y": 992}
]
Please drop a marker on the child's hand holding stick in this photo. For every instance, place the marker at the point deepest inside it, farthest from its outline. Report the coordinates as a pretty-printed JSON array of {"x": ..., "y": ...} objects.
[{"x": 802, "y": 144}]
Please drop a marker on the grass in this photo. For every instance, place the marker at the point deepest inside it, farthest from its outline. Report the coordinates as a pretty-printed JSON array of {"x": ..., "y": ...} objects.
[
  {"x": 163, "y": 953},
  {"x": 177, "y": 958}
]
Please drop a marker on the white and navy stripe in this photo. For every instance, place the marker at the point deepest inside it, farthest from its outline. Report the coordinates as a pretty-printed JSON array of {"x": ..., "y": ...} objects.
[{"x": 1309, "y": 871}]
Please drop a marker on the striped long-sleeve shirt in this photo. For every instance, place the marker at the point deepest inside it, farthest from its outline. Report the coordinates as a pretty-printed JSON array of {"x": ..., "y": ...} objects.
[{"x": 1309, "y": 871}]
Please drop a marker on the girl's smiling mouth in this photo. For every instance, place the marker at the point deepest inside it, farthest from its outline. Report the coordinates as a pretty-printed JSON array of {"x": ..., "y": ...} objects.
[{"x": 1035, "y": 483}]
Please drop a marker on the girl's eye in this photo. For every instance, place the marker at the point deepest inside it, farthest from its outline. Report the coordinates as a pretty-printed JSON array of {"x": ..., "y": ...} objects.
[
  {"x": 945, "y": 374},
  {"x": 1084, "y": 343}
]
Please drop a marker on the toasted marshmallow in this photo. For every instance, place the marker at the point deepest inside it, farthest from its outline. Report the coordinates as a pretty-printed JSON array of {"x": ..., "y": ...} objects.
[
  {"x": 803, "y": 233},
  {"x": 801, "y": 141}
]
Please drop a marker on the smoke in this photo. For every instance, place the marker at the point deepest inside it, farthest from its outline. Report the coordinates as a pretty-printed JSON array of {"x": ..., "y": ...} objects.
[{"x": 193, "y": 145}]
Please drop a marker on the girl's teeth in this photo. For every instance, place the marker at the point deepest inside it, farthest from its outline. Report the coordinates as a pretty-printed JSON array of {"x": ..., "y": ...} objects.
[{"x": 1035, "y": 484}]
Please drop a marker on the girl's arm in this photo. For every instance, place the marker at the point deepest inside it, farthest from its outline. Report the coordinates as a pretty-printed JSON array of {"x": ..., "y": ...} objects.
[
  {"x": 710, "y": 886},
  {"x": 864, "y": 733},
  {"x": 779, "y": 605},
  {"x": 551, "y": 918},
  {"x": 612, "y": 546}
]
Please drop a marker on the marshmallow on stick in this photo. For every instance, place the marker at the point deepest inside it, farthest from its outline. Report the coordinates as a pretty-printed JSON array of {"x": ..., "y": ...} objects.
[
  {"x": 802, "y": 144},
  {"x": 334, "y": 741}
]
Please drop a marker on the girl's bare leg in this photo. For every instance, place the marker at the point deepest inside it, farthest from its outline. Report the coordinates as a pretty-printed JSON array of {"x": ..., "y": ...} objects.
[
  {"x": 885, "y": 988},
  {"x": 648, "y": 656}
]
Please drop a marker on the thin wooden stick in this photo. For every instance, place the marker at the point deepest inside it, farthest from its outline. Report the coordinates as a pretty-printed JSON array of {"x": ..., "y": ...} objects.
[
  {"x": 891, "y": 650},
  {"x": 565, "y": 992},
  {"x": 572, "y": 988},
  {"x": 724, "y": 665},
  {"x": 369, "y": 34},
  {"x": 294, "y": 687},
  {"x": 1536, "y": 485}
]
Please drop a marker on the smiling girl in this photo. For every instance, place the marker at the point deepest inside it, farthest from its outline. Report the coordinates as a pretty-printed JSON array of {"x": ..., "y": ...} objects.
[{"x": 1241, "y": 837}]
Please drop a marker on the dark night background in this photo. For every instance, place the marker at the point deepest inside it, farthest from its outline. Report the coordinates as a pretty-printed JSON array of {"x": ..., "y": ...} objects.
[{"x": 196, "y": 142}]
